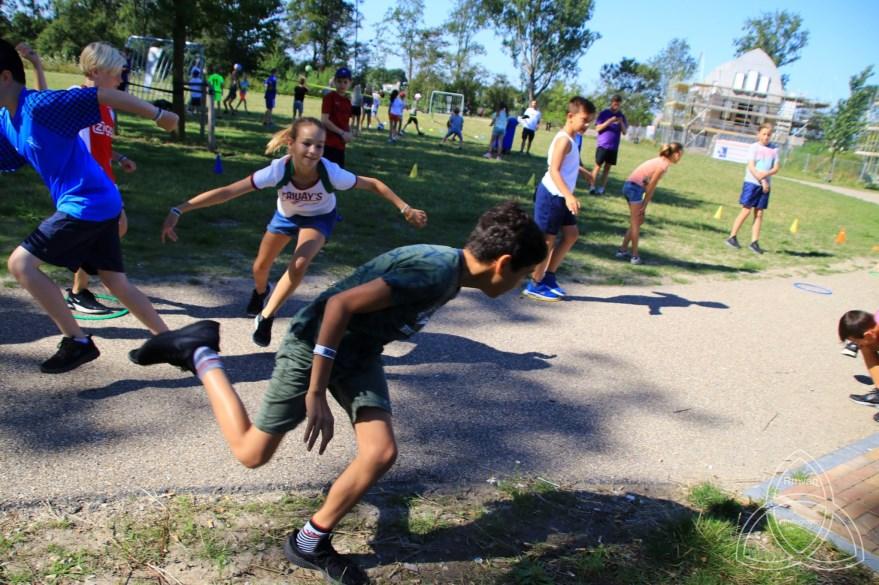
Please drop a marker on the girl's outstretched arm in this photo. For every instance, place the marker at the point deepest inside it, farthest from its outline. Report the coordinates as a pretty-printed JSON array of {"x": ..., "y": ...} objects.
[
  {"x": 206, "y": 199},
  {"x": 416, "y": 217},
  {"x": 31, "y": 55}
]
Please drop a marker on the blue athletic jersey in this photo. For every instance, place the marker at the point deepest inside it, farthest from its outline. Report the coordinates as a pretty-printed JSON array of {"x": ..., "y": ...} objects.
[{"x": 45, "y": 133}]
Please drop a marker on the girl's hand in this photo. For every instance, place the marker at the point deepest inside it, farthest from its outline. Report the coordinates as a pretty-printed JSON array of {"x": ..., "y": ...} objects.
[
  {"x": 28, "y": 53},
  {"x": 168, "y": 227},
  {"x": 167, "y": 121},
  {"x": 128, "y": 165},
  {"x": 416, "y": 217},
  {"x": 573, "y": 204},
  {"x": 320, "y": 420}
]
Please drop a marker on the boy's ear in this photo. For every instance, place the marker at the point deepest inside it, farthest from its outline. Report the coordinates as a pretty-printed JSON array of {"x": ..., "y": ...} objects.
[{"x": 502, "y": 262}]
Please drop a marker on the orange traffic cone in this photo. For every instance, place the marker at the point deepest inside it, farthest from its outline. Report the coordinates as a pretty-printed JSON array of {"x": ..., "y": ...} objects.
[{"x": 840, "y": 237}]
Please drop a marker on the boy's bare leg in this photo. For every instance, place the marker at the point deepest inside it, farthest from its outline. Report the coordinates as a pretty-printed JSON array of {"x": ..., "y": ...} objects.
[
  {"x": 605, "y": 171},
  {"x": 133, "y": 300},
  {"x": 309, "y": 243},
  {"x": 25, "y": 267},
  {"x": 269, "y": 249},
  {"x": 376, "y": 453},
  {"x": 251, "y": 446},
  {"x": 80, "y": 281},
  {"x": 740, "y": 219},
  {"x": 758, "y": 223},
  {"x": 570, "y": 233},
  {"x": 540, "y": 269}
]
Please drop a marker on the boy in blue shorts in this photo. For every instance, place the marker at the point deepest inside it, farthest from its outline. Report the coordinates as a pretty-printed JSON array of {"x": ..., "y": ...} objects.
[
  {"x": 762, "y": 164},
  {"x": 42, "y": 128},
  {"x": 555, "y": 207},
  {"x": 456, "y": 127},
  {"x": 271, "y": 84},
  {"x": 335, "y": 343}
]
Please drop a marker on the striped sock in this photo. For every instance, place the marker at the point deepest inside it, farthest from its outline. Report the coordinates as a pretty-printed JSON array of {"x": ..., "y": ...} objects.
[
  {"x": 309, "y": 537},
  {"x": 205, "y": 360}
]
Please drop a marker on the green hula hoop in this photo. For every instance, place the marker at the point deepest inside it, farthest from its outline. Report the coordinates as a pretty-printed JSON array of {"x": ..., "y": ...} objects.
[{"x": 113, "y": 315}]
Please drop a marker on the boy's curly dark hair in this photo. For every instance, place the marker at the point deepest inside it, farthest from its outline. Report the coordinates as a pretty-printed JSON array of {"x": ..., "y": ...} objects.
[
  {"x": 854, "y": 324},
  {"x": 506, "y": 229},
  {"x": 11, "y": 61}
]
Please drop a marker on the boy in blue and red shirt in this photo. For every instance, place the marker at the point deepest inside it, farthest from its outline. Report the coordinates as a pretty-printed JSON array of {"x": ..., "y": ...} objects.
[
  {"x": 42, "y": 128},
  {"x": 271, "y": 93}
]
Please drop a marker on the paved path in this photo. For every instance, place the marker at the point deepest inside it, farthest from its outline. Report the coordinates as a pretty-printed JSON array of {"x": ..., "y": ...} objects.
[
  {"x": 870, "y": 196},
  {"x": 719, "y": 381}
]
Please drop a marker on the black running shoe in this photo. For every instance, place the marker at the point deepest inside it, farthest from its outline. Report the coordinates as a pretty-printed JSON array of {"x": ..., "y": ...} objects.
[
  {"x": 176, "y": 347},
  {"x": 755, "y": 247},
  {"x": 85, "y": 302},
  {"x": 876, "y": 417},
  {"x": 262, "y": 330},
  {"x": 335, "y": 567},
  {"x": 258, "y": 301},
  {"x": 70, "y": 355},
  {"x": 869, "y": 399},
  {"x": 733, "y": 242}
]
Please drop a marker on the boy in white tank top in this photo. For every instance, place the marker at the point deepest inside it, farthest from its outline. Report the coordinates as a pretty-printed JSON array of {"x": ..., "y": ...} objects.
[{"x": 555, "y": 207}]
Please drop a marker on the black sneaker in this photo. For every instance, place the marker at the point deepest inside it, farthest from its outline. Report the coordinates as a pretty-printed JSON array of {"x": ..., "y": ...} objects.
[
  {"x": 85, "y": 302},
  {"x": 258, "y": 301},
  {"x": 176, "y": 347},
  {"x": 335, "y": 567},
  {"x": 70, "y": 355},
  {"x": 755, "y": 247},
  {"x": 262, "y": 330},
  {"x": 850, "y": 349},
  {"x": 869, "y": 399},
  {"x": 732, "y": 242},
  {"x": 876, "y": 417}
]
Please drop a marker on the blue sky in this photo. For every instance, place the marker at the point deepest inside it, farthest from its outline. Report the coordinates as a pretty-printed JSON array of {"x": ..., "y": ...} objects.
[{"x": 843, "y": 36}]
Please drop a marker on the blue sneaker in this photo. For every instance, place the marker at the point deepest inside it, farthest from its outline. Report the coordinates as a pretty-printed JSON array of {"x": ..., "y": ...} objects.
[
  {"x": 540, "y": 292},
  {"x": 552, "y": 284}
]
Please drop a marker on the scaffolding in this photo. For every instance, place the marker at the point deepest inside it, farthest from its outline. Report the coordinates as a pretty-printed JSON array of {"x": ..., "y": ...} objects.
[{"x": 868, "y": 147}]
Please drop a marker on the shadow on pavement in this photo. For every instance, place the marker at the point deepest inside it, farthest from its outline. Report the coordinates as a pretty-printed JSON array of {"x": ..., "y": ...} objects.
[
  {"x": 654, "y": 304},
  {"x": 434, "y": 347}
]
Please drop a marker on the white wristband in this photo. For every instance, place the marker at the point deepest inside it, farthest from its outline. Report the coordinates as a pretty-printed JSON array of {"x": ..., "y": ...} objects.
[
  {"x": 324, "y": 351},
  {"x": 405, "y": 209}
]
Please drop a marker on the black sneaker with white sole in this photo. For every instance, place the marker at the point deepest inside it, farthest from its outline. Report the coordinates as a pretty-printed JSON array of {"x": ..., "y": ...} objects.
[
  {"x": 755, "y": 247},
  {"x": 85, "y": 302},
  {"x": 733, "y": 242},
  {"x": 177, "y": 347},
  {"x": 258, "y": 301},
  {"x": 262, "y": 330},
  {"x": 70, "y": 355},
  {"x": 335, "y": 567},
  {"x": 869, "y": 399}
]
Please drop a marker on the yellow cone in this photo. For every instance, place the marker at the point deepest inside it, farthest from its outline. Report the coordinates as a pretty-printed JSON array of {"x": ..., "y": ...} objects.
[
  {"x": 531, "y": 182},
  {"x": 719, "y": 213},
  {"x": 876, "y": 248},
  {"x": 840, "y": 237},
  {"x": 795, "y": 226},
  {"x": 413, "y": 174}
]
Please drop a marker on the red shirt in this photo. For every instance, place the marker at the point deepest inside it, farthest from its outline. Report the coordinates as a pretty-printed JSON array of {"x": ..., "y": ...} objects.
[
  {"x": 99, "y": 140},
  {"x": 338, "y": 107}
]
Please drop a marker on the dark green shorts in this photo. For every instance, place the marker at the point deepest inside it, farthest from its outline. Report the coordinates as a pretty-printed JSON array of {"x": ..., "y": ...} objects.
[{"x": 355, "y": 384}]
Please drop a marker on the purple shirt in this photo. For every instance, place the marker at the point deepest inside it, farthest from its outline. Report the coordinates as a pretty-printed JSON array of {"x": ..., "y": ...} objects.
[{"x": 609, "y": 138}]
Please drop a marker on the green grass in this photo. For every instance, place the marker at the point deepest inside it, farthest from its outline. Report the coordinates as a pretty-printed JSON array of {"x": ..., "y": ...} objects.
[{"x": 681, "y": 238}]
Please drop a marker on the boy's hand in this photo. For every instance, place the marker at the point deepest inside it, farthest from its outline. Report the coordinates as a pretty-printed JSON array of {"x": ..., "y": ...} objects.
[
  {"x": 346, "y": 137},
  {"x": 573, "y": 204},
  {"x": 320, "y": 421},
  {"x": 128, "y": 165},
  {"x": 416, "y": 217},
  {"x": 28, "y": 53},
  {"x": 168, "y": 227},
  {"x": 167, "y": 121}
]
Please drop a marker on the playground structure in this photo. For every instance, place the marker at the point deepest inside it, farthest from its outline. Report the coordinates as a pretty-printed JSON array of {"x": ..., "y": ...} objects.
[{"x": 730, "y": 104}]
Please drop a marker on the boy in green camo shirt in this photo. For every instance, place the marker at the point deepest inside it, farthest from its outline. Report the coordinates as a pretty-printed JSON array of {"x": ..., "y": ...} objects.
[{"x": 335, "y": 343}]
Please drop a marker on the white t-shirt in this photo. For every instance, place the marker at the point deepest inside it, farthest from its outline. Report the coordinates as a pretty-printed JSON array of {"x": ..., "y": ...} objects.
[
  {"x": 315, "y": 200},
  {"x": 570, "y": 166},
  {"x": 533, "y": 119},
  {"x": 376, "y": 99},
  {"x": 397, "y": 107},
  {"x": 764, "y": 158}
]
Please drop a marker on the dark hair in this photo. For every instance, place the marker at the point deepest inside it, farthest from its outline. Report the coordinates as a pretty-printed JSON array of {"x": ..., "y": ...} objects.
[
  {"x": 506, "y": 229},
  {"x": 667, "y": 150},
  {"x": 456, "y": 109},
  {"x": 11, "y": 61},
  {"x": 854, "y": 324},
  {"x": 394, "y": 95},
  {"x": 578, "y": 103},
  {"x": 616, "y": 98}
]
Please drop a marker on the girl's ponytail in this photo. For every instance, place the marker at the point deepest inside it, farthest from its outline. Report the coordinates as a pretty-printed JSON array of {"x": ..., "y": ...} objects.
[
  {"x": 671, "y": 149},
  {"x": 284, "y": 137}
]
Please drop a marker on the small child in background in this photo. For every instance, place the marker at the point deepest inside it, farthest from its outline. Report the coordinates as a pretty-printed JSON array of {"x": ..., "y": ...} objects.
[
  {"x": 376, "y": 102},
  {"x": 299, "y": 93},
  {"x": 271, "y": 92},
  {"x": 395, "y": 114},
  {"x": 498, "y": 129},
  {"x": 638, "y": 191},
  {"x": 335, "y": 114},
  {"x": 232, "y": 92},
  {"x": 243, "y": 86},
  {"x": 356, "y": 109},
  {"x": 861, "y": 328},
  {"x": 455, "y": 127},
  {"x": 196, "y": 90},
  {"x": 413, "y": 116},
  {"x": 762, "y": 164},
  {"x": 366, "y": 112}
]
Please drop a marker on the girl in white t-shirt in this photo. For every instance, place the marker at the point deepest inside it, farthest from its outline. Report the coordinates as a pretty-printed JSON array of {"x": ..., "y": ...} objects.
[{"x": 306, "y": 209}]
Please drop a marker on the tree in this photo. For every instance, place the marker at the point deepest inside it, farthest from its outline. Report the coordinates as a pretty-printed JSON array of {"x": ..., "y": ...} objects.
[
  {"x": 778, "y": 33},
  {"x": 638, "y": 83},
  {"x": 849, "y": 117},
  {"x": 324, "y": 26},
  {"x": 545, "y": 38},
  {"x": 403, "y": 24},
  {"x": 466, "y": 19},
  {"x": 674, "y": 63}
]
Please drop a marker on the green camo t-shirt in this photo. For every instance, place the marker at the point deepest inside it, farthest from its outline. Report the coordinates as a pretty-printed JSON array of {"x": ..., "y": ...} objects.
[{"x": 422, "y": 278}]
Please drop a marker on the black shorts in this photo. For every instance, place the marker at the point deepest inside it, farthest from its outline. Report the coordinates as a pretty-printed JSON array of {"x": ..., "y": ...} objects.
[
  {"x": 606, "y": 156},
  {"x": 355, "y": 111},
  {"x": 73, "y": 243},
  {"x": 195, "y": 102},
  {"x": 527, "y": 134},
  {"x": 337, "y": 155}
]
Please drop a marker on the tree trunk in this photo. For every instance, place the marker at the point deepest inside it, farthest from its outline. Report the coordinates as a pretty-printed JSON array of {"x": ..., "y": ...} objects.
[{"x": 177, "y": 74}]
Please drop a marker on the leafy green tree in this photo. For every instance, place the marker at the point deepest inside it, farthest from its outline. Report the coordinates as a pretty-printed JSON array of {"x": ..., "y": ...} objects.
[
  {"x": 23, "y": 20},
  {"x": 501, "y": 92},
  {"x": 465, "y": 21},
  {"x": 638, "y": 83},
  {"x": 545, "y": 38},
  {"x": 674, "y": 63},
  {"x": 404, "y": 24},
  {"x": 779, "y": 34},
  {"x": 849, "y": 117},
  {"x": 324, "y": 26}
]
